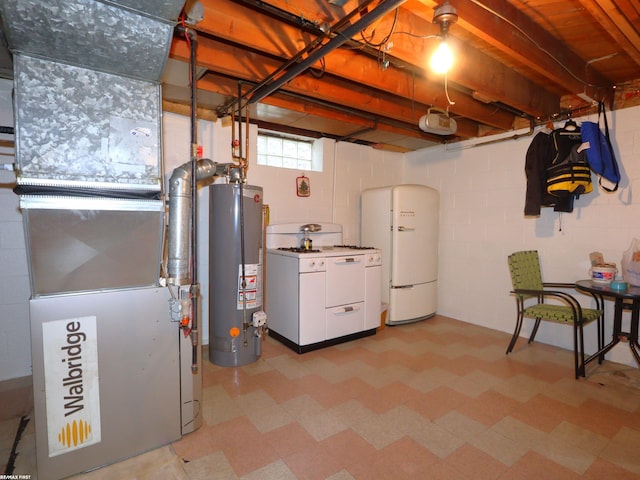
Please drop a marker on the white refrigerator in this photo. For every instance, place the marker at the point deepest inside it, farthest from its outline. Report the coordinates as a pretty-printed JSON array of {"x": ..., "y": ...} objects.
[{"x": 402, "y": 221}]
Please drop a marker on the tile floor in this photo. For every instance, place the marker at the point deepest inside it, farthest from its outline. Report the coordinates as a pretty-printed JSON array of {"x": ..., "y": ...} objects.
[{"x": 437, "y": 399}]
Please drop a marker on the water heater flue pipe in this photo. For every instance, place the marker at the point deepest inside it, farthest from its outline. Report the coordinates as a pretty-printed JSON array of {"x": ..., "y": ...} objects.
[{"x": 178, "y": 270}]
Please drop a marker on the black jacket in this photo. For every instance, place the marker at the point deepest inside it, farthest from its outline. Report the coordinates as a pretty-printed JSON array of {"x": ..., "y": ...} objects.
[{"x": 545, "y": 150}]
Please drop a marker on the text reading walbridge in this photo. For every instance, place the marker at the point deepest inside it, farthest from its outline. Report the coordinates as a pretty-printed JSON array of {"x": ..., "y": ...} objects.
[{"x": 71, "y": 383}]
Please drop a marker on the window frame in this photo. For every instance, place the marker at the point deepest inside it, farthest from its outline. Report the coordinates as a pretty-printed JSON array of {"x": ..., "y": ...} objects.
[{"x": 276, "y": 157}]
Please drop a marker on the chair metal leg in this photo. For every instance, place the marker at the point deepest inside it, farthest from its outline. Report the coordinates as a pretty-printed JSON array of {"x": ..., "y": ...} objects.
[
  {"x": 535, "y": 330},
  {"x": 601, "y": 335},
  {"x": 516, "y": 333},
  {"x": 578, "y": 349},
  {"x": 581, "y": 366},
  {"x": 600, "y": 322}
]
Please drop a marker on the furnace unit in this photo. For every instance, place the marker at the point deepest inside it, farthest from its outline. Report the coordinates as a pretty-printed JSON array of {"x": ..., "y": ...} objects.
[{"x": 113, "y": 371}]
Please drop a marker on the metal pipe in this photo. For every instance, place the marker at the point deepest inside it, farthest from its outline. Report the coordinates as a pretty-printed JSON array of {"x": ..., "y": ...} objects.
[
  {"x": 194, "y": 293},
  {"x": 335, "y": 42},
  {"x": 359, "y": 113},
  {"x": 240, "y": 151},
  {"x": 180, "y": 207},
  {"x": 245, "y": 163},
  {"x": 515, "y": 136},
  {"x": 321, "y": 32},
  {"x": 245, "y": 323}
]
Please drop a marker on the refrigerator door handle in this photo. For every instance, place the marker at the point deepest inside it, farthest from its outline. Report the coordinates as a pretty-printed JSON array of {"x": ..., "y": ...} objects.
[
  {"x": 402, "y": 286},
  {"x": 405, "y": 229}
]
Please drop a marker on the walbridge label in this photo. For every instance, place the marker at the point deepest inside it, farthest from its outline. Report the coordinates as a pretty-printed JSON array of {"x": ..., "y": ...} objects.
[{"x": 71, "y": 383}]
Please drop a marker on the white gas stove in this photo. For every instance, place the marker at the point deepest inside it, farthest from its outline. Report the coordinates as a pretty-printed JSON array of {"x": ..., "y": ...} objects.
[{"x": 318, "y": 291}]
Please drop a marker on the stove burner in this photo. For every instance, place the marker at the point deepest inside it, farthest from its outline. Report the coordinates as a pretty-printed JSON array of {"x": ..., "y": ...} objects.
[
  {"x": 353, "y": 247},
  {"x": 299, "y": 250}
]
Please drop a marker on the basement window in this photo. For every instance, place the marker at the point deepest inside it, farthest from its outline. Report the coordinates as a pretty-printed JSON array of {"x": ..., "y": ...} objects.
[{"x": 289, "y": 152}]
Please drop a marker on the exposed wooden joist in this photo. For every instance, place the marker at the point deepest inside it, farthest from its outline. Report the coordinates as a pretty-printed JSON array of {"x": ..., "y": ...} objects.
[
  {"x": 228, "y": 87},
  {"x": 615, "y": 23},
  {"x": 515, "y": 60},
  {"x": 501, "y": 25},
  {"x": 252, "y": 67},
  {"x": 500, "y": 83},
  {"x": 183, "y": 109},
  {"x": 318, "y": 11},
  {"x": 403, "y": 85},
  {"x": 237, "y": 24}
]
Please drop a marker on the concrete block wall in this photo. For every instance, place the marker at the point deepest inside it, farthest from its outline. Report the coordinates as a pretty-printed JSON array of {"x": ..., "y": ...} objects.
[
  {"x": 359, "y": 168},
  {"x": 15, "y": 350},
  {"x": 482, "y": 220}
]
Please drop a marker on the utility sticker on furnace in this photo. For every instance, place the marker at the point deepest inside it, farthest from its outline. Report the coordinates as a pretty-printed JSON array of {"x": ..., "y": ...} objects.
[{"x": 71, "y": 383}]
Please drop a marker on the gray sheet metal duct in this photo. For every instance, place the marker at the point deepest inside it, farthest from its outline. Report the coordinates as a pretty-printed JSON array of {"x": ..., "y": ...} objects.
[
  {"x": 160, "y": 9},
  {"x": 81, "y": 244},
  {"x": 88, "y": 102},
  {"x": 82, "y": 127},
  {"x": 93, "y": 34},
  {"x": 180, "y": 216},
  {"x": 88, "y": 116}
]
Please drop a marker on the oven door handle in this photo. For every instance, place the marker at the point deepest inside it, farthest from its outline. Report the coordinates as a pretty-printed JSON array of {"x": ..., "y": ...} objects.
[{"x": 348, "y": 260}]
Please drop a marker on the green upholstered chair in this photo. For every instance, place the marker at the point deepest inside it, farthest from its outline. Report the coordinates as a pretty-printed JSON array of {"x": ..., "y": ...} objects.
[{"x": 530, "y": 293}]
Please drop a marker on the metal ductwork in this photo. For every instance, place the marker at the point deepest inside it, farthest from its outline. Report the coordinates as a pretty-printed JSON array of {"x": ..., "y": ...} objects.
[
  {"x": 180, "y": 216},
  {"x": 90, "y": 176}
]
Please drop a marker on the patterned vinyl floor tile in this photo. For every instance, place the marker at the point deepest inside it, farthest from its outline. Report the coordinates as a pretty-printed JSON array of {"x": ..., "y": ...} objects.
[{"x": 437, "y": 399}]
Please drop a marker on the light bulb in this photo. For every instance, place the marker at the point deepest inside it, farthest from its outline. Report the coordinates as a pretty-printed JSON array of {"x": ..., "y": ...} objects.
[{"x": 442, "y": 59}]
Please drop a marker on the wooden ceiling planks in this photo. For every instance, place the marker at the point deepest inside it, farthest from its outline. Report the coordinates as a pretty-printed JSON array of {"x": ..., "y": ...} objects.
[{"x": 516, "y": 59}]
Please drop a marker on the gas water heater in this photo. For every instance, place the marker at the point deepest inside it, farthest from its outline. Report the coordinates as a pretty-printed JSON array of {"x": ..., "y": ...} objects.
[{"x": 236, "y": 319}]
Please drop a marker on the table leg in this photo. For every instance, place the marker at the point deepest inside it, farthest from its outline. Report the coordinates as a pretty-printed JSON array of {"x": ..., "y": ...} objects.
[
  {"x": 617, "y": 332},
  {"x": 600, "y": 325},
  {"x": 633, "y": 330}
]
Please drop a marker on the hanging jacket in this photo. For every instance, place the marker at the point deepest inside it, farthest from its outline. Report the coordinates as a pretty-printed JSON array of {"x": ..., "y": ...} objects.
[{"x": 544, "y": 150}]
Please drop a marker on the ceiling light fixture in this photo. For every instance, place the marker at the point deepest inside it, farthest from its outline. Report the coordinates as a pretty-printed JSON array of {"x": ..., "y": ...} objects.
[{"x": 442, "y": 60}]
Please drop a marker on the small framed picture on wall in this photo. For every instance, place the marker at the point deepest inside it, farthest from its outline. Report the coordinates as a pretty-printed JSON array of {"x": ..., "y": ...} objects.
[{"x": 303, "y": 187}]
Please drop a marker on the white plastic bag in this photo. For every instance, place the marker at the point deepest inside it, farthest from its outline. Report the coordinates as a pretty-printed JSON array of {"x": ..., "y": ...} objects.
[{"x": 630, "y": 264}]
